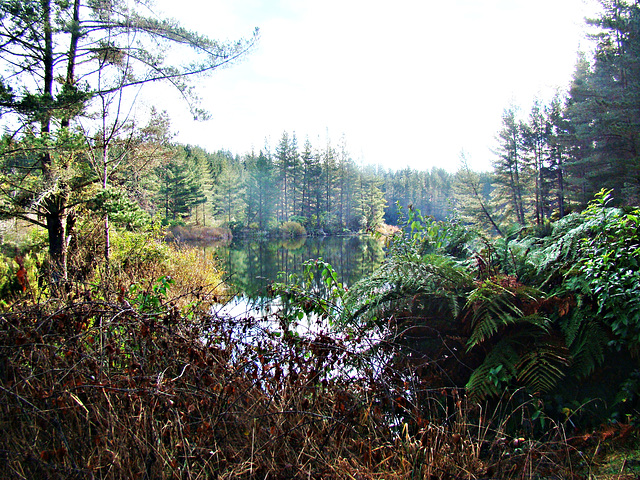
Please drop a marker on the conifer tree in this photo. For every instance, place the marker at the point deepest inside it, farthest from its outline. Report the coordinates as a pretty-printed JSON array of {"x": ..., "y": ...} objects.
[
  {"x": 509, "y": 168},
  {"x": 228, "y": 194},
  {"x": 535, "y": 157},
  {"x": 604, "y": 105},
  {"x": 261, "y": 192}
]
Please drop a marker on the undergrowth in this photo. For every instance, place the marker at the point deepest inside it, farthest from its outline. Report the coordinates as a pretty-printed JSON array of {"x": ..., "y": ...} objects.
[
  {"x": 125, "y": 370},
  {"x": 98, "y": 389}
]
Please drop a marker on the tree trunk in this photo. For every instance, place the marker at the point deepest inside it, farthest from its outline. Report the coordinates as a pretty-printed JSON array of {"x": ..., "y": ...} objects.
[
  {"x": 56, "y": 220},
  {"x": 54, "y": 205}
]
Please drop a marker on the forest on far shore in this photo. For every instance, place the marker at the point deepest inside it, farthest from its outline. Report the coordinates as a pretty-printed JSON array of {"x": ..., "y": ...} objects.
[{"x": 547, "y": 161}]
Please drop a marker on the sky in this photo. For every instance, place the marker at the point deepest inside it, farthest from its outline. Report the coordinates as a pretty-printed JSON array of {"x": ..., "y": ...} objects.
[{"x": 404, "y": 83}]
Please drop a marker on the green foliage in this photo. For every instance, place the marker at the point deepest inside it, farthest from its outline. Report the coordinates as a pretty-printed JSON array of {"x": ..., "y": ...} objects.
[
  {"x": 133, "y": 250},
  {"x": 317, "y": 292},
  {"x": 122, "y": 211},
  {"x": 610, "y": 266},
  {"x": 16, "y": 285},
  {"x": 292, "y": 229},
  {"x": 419, "y": 262},
  {"x": 421, "y": 235},
  {"x": 534, "y": 307},
  {"x": 153, "y": 300}
]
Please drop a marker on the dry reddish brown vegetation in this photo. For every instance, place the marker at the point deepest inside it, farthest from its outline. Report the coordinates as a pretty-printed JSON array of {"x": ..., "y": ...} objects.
[{"x": 101, "y": 390}]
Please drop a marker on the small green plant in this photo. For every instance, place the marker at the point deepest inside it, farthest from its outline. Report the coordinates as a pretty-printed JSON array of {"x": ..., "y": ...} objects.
[
  {"x": 317, "y": 291},
  {"x": 153, "y": 300}
]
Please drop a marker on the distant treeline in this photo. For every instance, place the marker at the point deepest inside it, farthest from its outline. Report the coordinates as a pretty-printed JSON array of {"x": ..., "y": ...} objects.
[
  {"x": 546, "y": 163},
  {"x": 322, "y": 188}
]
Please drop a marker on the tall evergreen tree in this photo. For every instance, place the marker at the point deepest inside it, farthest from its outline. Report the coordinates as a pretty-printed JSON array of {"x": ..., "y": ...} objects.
[
  {"x": 559, "y": 147},
  {"x": 328, "y": 165},
  {"x": 472, "y": 191},
  {"x": 604, "y": 104},
  {"x": 371, "y": 203},
  {"x": 508, "y": 166},
  {"x": 228, "y": 194},
  {"x": 261, "y": 192},
  {"x": 311, "y": 182},
  {"x": 288, "y": 164},
  {"x": 535, "y": 156},
  {"x": 181, "y": 186}
]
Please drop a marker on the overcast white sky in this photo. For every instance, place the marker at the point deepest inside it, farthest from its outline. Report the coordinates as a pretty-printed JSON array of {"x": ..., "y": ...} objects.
[{"x": 408, "y": 82}]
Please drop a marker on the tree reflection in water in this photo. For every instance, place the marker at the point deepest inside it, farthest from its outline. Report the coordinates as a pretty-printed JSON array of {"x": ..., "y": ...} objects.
[{"x": 253, "y": 265}]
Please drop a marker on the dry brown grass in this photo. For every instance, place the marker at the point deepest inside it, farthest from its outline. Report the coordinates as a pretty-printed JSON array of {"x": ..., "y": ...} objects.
[
  {"x": 196, "y": 233},
  {"x": 98, "y": 391}
]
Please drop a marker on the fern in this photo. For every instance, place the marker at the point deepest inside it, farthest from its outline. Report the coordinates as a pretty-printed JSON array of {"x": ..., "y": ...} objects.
[
  {"x": 526, "y": 350},
  {"x": 497, "y": 303},
  {"x": 399, "y": 280},
  {"x": 586, "y": 339},
  {"x": 532, "y": 307},
  {"x": 498, "y": 367},
  {"x": 527, "y": 355},
  {"x": 541, "y": 368}
]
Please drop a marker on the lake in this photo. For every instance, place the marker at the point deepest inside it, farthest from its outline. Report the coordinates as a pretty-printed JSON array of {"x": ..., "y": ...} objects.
[{"x": 252, "y": 265}]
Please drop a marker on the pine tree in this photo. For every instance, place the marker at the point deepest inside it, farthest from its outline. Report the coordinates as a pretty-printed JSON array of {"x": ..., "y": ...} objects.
[
  {"x": 371, "y": 203},
  {"x": 181, "y": 186},
  {"x": 509, "y": 168},
  {"x": 472, "y": 191},
  {"x": 535, "y": 156},
  {"x": 228, "y": 194},
  {"x": 261, "y": 194},
  {"x": 603, "y": 105},
  {"x": 328, "y": 165},
  {"x": 311, "y": 182},
  {"x": 559, "y": 147}
]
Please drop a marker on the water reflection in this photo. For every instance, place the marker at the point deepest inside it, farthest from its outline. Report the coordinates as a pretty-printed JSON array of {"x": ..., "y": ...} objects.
[{"x": 252, "y": 265}]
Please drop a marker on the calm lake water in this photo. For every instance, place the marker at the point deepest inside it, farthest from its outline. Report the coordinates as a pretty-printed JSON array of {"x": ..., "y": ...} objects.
[{"x": 252, "y": 265}]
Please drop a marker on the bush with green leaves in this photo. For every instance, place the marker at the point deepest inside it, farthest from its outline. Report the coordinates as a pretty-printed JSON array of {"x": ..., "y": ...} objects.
[
  {"x": 292, "y": 229},
  {"x": 610, "y": 266}
]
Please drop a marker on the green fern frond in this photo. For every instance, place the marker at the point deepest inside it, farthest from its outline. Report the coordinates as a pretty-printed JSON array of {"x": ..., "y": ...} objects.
[
  {"x": 529, "y": 356},
  {"x": 587, "y": 340},
  {"x": 495, "y": 306},
  {"x": 401, "y": 278},
  {"x": 489, "y": 318},
  {"x": 497, "y": 369},
  {"x": 541, "y": 368}
]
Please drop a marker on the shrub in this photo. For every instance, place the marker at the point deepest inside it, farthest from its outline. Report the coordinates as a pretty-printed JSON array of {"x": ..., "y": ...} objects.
[
  {"x": 199, "y": 234},
  {"x": 292, "y": 229},
  {"x": 100, "y": 390},
  {"x": 140, "y": 259}
]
